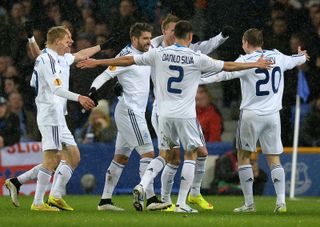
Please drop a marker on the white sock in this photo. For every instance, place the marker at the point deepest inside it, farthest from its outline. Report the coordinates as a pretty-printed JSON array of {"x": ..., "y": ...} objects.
[
  {"x": 112, "y": 177},
  {"x": 187, "y": 175},
  {"x": 55, "y": 176},
  {"x": 167, "y": 180},
  {"x": 148, "y": 188},
  {"x": 63, "y": 176},
  {"x": 153, "y": 169},
  {"x": 43, "y": 181},
  {"x": 246, "y": 181},
  {"x": 278, "y": 179},
  {"x": 29, "y": 175},
  {"x": 198, "y": 176}
]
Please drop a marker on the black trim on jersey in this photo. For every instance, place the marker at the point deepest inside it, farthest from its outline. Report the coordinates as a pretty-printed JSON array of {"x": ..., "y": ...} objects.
[
  {"x": 52, "y": 62},
  {"x": 135, "y": 127}
]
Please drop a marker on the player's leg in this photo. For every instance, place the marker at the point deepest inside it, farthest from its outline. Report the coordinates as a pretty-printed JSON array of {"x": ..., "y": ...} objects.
[
  {"x": 246, "y": 139},
  {"x": 191, "y": 140},
  {"x": 272, "y": 147},
  {"x": 14, "y": 184},
  {"x": 114, "y": 171},
  {"x": 168, "y": 174},
  {"x": 70, "y": 158},
  {"x": 51, "y": 144},
  {"x": 278, "y": 180},
  {"x": 195, "y": 196},
  {"x": 50, "y": 162}
]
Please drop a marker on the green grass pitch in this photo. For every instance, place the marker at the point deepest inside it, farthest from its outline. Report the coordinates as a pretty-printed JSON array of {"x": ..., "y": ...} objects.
[{"x": 301, "y": 212}]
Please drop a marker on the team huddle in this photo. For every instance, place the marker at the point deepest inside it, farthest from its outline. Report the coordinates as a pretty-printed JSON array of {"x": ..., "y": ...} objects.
[{"x": 176, "y": 67}]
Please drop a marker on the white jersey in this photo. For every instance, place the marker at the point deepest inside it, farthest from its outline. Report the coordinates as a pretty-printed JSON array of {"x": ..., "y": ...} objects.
[
  {"x": 134, "y": 79},
  {"x": 178, "y": 70},
  {"x": 261, "y": 89},
  {"x": 205, "y": 47},
  {"x": 64, "y": 61},
  {"x": 48, "y": 78}
]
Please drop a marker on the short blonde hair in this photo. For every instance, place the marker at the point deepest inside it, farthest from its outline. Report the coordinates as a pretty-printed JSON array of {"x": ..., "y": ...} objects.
[{"x": 54, "y": 33}]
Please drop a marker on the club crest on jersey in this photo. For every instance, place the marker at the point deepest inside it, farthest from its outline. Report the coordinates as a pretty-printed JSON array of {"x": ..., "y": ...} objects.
[
  {"x": 57, "y": 82},
  {"x": 112, "y": 68}
]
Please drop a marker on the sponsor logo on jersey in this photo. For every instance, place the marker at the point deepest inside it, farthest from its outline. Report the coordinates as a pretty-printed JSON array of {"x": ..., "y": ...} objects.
[
  {"x": 57, "y": 82},
  {"x": 112, "y": 68}
]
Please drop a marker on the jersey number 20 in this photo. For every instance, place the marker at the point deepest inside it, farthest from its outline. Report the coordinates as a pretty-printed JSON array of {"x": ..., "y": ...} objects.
[
  {"x": 175, "y": 79},
  {"x": 275, "y": 84}
]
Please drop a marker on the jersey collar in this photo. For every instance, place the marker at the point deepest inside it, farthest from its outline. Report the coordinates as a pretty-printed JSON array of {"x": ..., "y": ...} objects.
[
  {"x": 136, "y": 50},
  {"x": 179, "y": 45},
  {"x": 51, "y": 52}
]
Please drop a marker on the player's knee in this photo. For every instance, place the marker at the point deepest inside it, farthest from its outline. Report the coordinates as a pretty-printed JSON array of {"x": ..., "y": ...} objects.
[
  {"x": 202, "y": 152},
  {"x": 121, "y": 159},
  {"x": 243, "y": 157}
]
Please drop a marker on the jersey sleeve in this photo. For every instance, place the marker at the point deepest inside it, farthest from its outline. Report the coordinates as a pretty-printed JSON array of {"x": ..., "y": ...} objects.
[
  {"x": 208, "y": 46},
  {"x": 147, "y": 58},
  {"x": 69, "y": 58},
  {"x": 289, "y": 62},
  {"x": 208, "y": 64},
  {"x": 109, "y": 73},
  {"x": 156, "y": 41},
  {"x": 213, "y": 76}
]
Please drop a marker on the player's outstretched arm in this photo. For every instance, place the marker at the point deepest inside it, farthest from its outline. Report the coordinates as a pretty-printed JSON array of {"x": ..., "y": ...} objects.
[
  {"x": 34, "y": 48},
  {"x": 88, "y": 52},
  {"x": 120, "y": 61},
  {"x": 236, "y": 66},
  {"x": 208, "y": 46}
]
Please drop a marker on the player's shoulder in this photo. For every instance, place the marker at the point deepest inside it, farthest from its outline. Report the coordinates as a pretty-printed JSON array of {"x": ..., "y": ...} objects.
[{"x": 127, "y": 50}]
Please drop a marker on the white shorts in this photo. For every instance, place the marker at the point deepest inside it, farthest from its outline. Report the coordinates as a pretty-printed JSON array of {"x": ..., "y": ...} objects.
[
  {"x": 176, "y": 130},
  {"x": 133, "y": 132},
  {"x": 54, "y": 136},
  {"x": 155, "y": 121},
  {"x": 265, "y": 128}
]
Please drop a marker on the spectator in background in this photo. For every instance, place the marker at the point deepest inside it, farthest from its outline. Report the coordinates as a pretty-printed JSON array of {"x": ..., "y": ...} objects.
[
  {"x": 9, "y": 125},
  {"x": 208, "y": 116},
  {"x": 278, "y": 39},
  {"x": 27, "y": 119},
  {"x": 310, "y": 130},
  {"x": 99, "y": 127},
  {"x": 121, "y": 22},
  {"x": 11, "y": 85},
  {"x": 226, "y": 179}
]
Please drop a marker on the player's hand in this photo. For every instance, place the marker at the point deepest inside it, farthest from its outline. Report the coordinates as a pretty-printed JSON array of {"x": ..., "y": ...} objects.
[
  {"x": 264, "y": 63},
  {"x": 93, "y": 95},
  {"x": 88, "y": 63},
  {"x": 118, "y": 89},
  {"x": 227, "y": 31},
  {"x": 28, "y": 27},
  {"x": 304, "y": 52},
  {"x": 86, "y": 102}
]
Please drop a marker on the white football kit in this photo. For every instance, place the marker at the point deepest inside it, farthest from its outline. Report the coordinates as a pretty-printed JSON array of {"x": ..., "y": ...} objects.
[
  {"x": 50, "y": 72},
  {"x": 130, "y": 119},
  {"x": 177, "y": 72},
  {"x": 262, "y": 92},
  {"x": 205, "y": 47}
]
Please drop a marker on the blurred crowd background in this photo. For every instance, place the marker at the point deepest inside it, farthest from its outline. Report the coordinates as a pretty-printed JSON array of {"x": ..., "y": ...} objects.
[{"x": 286, "y": 24}]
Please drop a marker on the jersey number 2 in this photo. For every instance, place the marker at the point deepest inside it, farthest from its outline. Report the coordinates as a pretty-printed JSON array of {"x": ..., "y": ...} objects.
[
  {"x": 175, "y": 79},
  {"x": 275, "y": 87}
]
